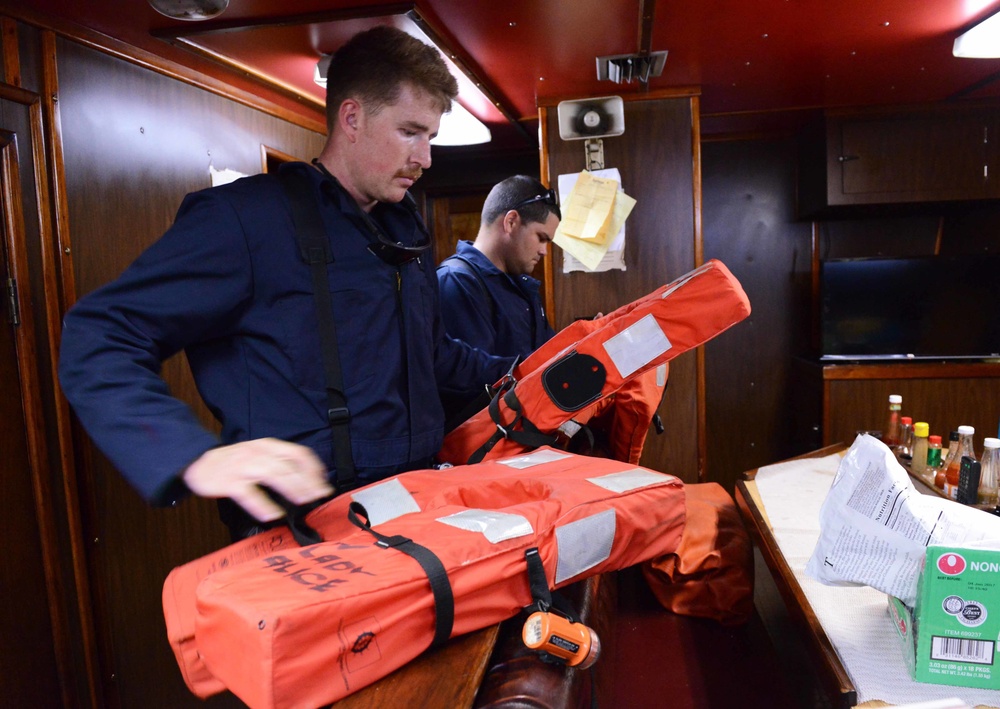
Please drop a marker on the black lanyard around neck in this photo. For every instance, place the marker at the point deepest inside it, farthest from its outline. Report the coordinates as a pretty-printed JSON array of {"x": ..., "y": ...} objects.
[{"x": 394, "y": 253}]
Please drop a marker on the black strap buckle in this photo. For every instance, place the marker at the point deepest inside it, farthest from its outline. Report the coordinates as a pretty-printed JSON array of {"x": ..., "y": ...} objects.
[{"x": 339, "y": 415}]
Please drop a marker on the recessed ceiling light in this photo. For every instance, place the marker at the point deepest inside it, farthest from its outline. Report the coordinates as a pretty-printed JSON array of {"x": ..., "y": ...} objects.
[{"x": 190, "y": 9}]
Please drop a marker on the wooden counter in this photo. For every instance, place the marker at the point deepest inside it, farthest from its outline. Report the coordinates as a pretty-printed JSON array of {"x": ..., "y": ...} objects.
[
  {"x": 812, "y": 661},
  {"x": 820, "y": 678}
]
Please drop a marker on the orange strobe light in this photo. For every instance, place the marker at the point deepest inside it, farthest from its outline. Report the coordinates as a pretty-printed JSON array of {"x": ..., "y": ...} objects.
[{"x": 574, "y": 643}]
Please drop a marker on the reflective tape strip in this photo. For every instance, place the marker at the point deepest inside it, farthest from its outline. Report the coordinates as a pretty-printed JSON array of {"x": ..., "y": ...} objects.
[
  {"x": 584, "y": 544},
  {"x": 630, "y": 480},
  {"x": 687, "y": 277},
  {"x": 495, "y": 526},
  {"x": 570, "y": 428},
  {"x": 637, "y": 345},
  {"x": 661, "y": 375},
  {"x": 533, "y": 459},
  {"x": 386, "y": 501}
]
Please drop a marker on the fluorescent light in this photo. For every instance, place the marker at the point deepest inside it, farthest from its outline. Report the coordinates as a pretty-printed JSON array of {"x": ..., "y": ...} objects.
[
  {"x": 319, "y": 73},
  {"x": 981, "y": 42},
  {"x": 459, "y": 127}
]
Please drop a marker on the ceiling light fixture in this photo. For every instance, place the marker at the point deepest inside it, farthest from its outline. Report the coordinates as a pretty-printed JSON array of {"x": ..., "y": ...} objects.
[
  {"x": 458, "y": 126},
  {"x": 190, "y": 9},
  {"x": 980, "y": 42}
]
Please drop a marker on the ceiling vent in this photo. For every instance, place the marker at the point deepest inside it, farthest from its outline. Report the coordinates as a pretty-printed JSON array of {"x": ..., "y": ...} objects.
[{"x": 626, "y": 68}]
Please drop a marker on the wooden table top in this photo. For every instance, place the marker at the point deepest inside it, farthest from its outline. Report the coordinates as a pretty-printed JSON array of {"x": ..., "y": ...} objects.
[
  {"x": 837, "y": 682},
  {"x": 446, "y": 677}
]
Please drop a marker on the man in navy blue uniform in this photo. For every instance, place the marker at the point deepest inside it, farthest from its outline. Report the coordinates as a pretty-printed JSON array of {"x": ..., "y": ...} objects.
[
  {"x": 227, "y": 284},
  {"x": 488, "y": 297}
]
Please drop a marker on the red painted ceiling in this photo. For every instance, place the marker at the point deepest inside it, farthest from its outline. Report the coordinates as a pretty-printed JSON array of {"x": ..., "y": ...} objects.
[{"x": 749, "y": 57}]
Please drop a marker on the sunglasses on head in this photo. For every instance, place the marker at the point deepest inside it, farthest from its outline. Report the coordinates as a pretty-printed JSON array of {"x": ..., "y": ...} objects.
[{"x": 548, "y": 197}]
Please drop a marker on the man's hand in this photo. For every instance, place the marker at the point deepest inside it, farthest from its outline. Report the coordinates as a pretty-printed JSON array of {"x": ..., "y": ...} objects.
[{"x": 235, "y": 471}]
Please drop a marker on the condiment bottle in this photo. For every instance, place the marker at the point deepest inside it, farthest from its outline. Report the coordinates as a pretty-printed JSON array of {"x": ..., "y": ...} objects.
[
  {"x": 890, "y": 435},
  {"x": 965, "y": 447},
  {"x": 920, "y": 443},
  {"x": 989, "y": 472},
  {"x": 939, "y": 477},
  {"x": 905, "y": 448},
  {"x": 933, "y": 458}
]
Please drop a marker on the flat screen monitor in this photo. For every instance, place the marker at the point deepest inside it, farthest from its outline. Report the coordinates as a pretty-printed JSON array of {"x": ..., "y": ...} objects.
[{"x": 936, "y": 307}]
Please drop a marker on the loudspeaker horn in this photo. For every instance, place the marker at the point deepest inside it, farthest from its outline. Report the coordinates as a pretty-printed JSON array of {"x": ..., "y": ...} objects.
[{"x": 601, "y": 117}]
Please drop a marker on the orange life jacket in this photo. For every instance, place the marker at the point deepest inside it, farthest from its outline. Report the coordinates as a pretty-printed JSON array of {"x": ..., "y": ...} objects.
[
  {"x": 288, "y": 626},
  {"x": 611, "y": 371}
]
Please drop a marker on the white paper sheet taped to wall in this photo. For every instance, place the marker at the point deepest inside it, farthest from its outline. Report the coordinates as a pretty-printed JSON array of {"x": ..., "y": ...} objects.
[{"x": 875, "y": 526}]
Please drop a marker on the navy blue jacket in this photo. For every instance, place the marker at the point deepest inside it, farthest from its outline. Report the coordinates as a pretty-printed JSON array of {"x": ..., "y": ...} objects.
[
  {"x": 507, "y": 319},
  {"x": 227, "y": 285}
]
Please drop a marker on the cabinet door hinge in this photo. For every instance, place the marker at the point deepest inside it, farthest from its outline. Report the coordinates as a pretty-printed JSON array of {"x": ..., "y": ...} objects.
[{"x": 13, "y": 303}]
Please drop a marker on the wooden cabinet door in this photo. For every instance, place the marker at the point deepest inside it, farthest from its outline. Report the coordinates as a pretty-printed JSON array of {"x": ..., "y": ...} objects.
[
  {"x": 29, "y": 670},
  {"x": 910, "y": 158},
  {"x": 917, "y": 157}
]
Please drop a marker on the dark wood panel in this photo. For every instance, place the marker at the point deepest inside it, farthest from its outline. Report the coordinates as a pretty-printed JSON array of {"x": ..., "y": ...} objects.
[
  {"x": 29, "y": 672},
  {"x": 912, "y": 158},
  {"x": 945, "y": 403},
  {"x": 749, "y": 224},
  {"x": 134, "y": 143},
  {"x": 655, "y": 159}
]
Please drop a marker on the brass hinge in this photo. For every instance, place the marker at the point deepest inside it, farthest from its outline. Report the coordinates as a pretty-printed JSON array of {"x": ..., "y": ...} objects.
[{"x": 13, "y": 304}]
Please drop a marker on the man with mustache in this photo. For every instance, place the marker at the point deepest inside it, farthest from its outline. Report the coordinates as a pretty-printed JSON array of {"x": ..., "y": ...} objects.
[{"x": 230, "y": 284}]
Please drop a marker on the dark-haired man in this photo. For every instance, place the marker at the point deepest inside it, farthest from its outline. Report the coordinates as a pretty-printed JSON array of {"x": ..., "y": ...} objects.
[
  {"x": 228, "y": 284},
  {"x": 488, "y": 297}
]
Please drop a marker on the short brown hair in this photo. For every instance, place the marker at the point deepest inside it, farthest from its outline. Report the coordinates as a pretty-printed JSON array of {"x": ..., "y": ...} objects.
[{"x": 374, "y": 64}]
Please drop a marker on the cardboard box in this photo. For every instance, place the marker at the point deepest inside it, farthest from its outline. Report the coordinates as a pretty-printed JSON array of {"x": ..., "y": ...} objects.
[{"x": 950, "y": 637}]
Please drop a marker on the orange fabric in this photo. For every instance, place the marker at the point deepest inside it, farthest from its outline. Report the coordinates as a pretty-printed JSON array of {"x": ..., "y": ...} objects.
[
  {"x": 287, "y": 626},
  {"x": 710, "y": 575},
  {"x": 635, "y": 405},
  {"x": 687, "y": 313}
]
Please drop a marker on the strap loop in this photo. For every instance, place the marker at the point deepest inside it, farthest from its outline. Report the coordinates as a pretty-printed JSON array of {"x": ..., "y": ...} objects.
[{"x": 444, "y": 599}]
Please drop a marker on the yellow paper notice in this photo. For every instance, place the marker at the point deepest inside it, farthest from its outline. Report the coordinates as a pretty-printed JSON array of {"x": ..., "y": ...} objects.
[
  {"x": 589, "y": 209},
  {"x": 591, "y": 252}
]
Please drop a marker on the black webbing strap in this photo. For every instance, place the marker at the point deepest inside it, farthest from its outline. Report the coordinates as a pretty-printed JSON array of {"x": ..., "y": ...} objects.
[
  {"x": 657, "y": 421},
  {"x": 520, "y": 429},
  {"x": 544, "y": 600},
  {"x": 444, "y": 599},
  {"x": 537, "y": 582},
  {"x": 314, "y": 247}
]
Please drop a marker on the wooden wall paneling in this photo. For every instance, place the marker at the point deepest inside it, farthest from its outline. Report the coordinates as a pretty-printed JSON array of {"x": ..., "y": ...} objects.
[
  {"x": 134, "y": 143},
  {"x": 203, "y": 74},
  {"x": 272, "y": 158},
  {"x": 749, "y": 224},
  {"x": 11, "y": 56},
  {"x": 944, "y": 395},
  {"x": 454, "y": 219},
  {"x": 60, "y": 288},
  {"x": 699, "y": 258},
  {"x": 34, "y": 670},
  {"x": 655, "y": 158},
  {"x": 545, "y": 176}
]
